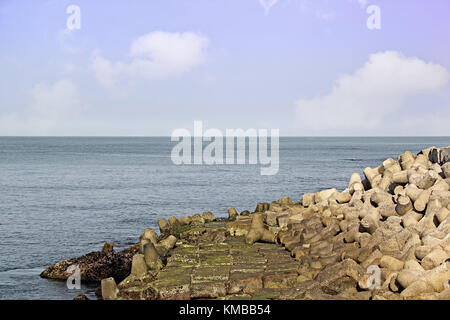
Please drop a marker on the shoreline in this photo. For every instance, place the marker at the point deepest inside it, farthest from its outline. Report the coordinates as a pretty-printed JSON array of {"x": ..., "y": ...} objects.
[{"x": 326, "y": 242}]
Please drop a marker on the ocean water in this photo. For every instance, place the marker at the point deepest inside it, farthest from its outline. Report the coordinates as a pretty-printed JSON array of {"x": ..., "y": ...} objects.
[{"x": 64, "y": 197}]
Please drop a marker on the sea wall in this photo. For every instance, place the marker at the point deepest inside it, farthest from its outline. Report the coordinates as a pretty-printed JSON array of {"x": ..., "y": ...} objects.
[{"x": 386, "y": 236}]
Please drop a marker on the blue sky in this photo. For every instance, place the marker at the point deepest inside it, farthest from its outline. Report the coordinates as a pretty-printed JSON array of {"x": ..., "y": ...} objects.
[{"x": 307, "y": 67}]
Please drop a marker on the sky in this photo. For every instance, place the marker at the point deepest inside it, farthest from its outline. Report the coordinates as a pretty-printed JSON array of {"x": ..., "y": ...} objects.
[{"x": 147, "y": 68}]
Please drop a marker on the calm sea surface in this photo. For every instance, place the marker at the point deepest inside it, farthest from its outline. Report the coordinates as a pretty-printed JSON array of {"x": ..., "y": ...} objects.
[{"x": 64, "y": 197}]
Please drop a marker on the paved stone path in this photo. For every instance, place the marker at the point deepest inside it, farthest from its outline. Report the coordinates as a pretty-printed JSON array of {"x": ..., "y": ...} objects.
[{"x": 219, "y": 267}]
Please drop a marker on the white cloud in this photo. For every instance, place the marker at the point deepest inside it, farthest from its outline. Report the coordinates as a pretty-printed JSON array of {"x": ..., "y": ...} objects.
[
  {"x": 69, "y": 68},
  {"x": 156, "y": 55},
  {"x": 50, "y": 106},
  {"x": 359, "y": 103},
  {"x": 67, "y": 43}
]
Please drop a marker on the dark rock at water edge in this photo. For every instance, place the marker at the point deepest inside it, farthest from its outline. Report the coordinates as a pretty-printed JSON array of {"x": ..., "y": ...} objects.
[{"x": 95, "y": 266}]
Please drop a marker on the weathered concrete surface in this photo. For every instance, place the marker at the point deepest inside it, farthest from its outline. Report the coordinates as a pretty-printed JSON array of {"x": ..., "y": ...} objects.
[{"x": 201, "y": 268}]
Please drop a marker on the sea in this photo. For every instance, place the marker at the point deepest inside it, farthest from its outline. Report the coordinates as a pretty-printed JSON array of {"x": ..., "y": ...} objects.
[{"x": 63, "y": 197}]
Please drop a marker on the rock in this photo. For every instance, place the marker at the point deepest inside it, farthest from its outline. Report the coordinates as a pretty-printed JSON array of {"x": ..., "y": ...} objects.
[
  {"x": 406, "y": 160},
  {"x": 354, "y": 178},
  {"x": 385, "y": 182},
  {"x": 108, "y": 247},
  {"x": 109, "y": 289},
  {"x": 152, "y": 258},
  {"x": 400, "y": 177},
  {"x": 443, "y": 295},
  {"x": 411, "y": 218},
  {"x": 168, "y": 243},
  {"x": 444, "y": 155},
  {"x": 442, "y": 214},
  {"x": 434, "y": 155},
  {"x": 427, "y": 180},
  {"x": 324, "y": 195},
  {"x": 373, "y": 176},
  {"x": 98, "y": 291},
  {"x": 81, "y": 297},
  {"x": 446, "y": 169},
  {"x": 439, "y": 155},
  {"x": 262, "y": 207},
  {"x": 138, "y": 265},
  {"x": 142, "y": 243},
  {"x": 245, "y": 213},
  {"x": 238, "y": 228},
  {"x": 150, "y": 235},
  {"x": 387, "y": 210},
  {"x": 403, "y": 206},
  {"x": 435, "y": 258},
  {"x": 286, "y": 201},
  {"x": 421, "y": 161},
  {"x": 196, "y": 218},
  {"x": 208, "y": 216},
  {"x": 245, "y": 282},
  {"x": 308, "y": 199},
  {"x": 406, "y": 277},
  {"x": 429, "y": 282},
  {"x": 258, "y": 232},
  {"x": 232, "y": 214},
  {"x": 391, "y": 263},
  {"x": 95, "y": 266},
  {"x": 421, "y": 202},
  {"x": 185, "y": 221},
  {"x": 381, "y": 197},
  {"x": 208, "y": 290},
  {"x": 344, "y": 197},
  {"x": 440, "y": 185},
  {"x": 172, "y": 221},
  {"x": 333, "y": 272},
  {"x": 163, "y": 225},
  {"x": 412, "y": 192}
]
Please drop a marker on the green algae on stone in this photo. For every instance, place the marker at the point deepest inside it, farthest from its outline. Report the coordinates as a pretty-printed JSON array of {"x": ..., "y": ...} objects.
[
  {"x": 173, "y": 283},
  {"x": 177, "y": 229},
  {"x": 174, "y": 275},
  {"x": 186, "y": 262},
  {"x": 183, "y": 257},
  {"x": 210, "y": 273},
  {"x": 207, "y": 263},
  {"x": 267, "y": 294},
  {"x": 212, "y": 259},
  {"x": 214, "y": 247},
  {"x": 247, "y": 258},
  {"x": 133, "y": 281},
  {"x": 142, "y": 292},
  {"x": 208, "y": 290},
  {"x": 245, "y": 282},
  {"x": 280, "y": 279},
  {"x": 238, "y": 228},
  {"x": 282, "y": 266}
]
